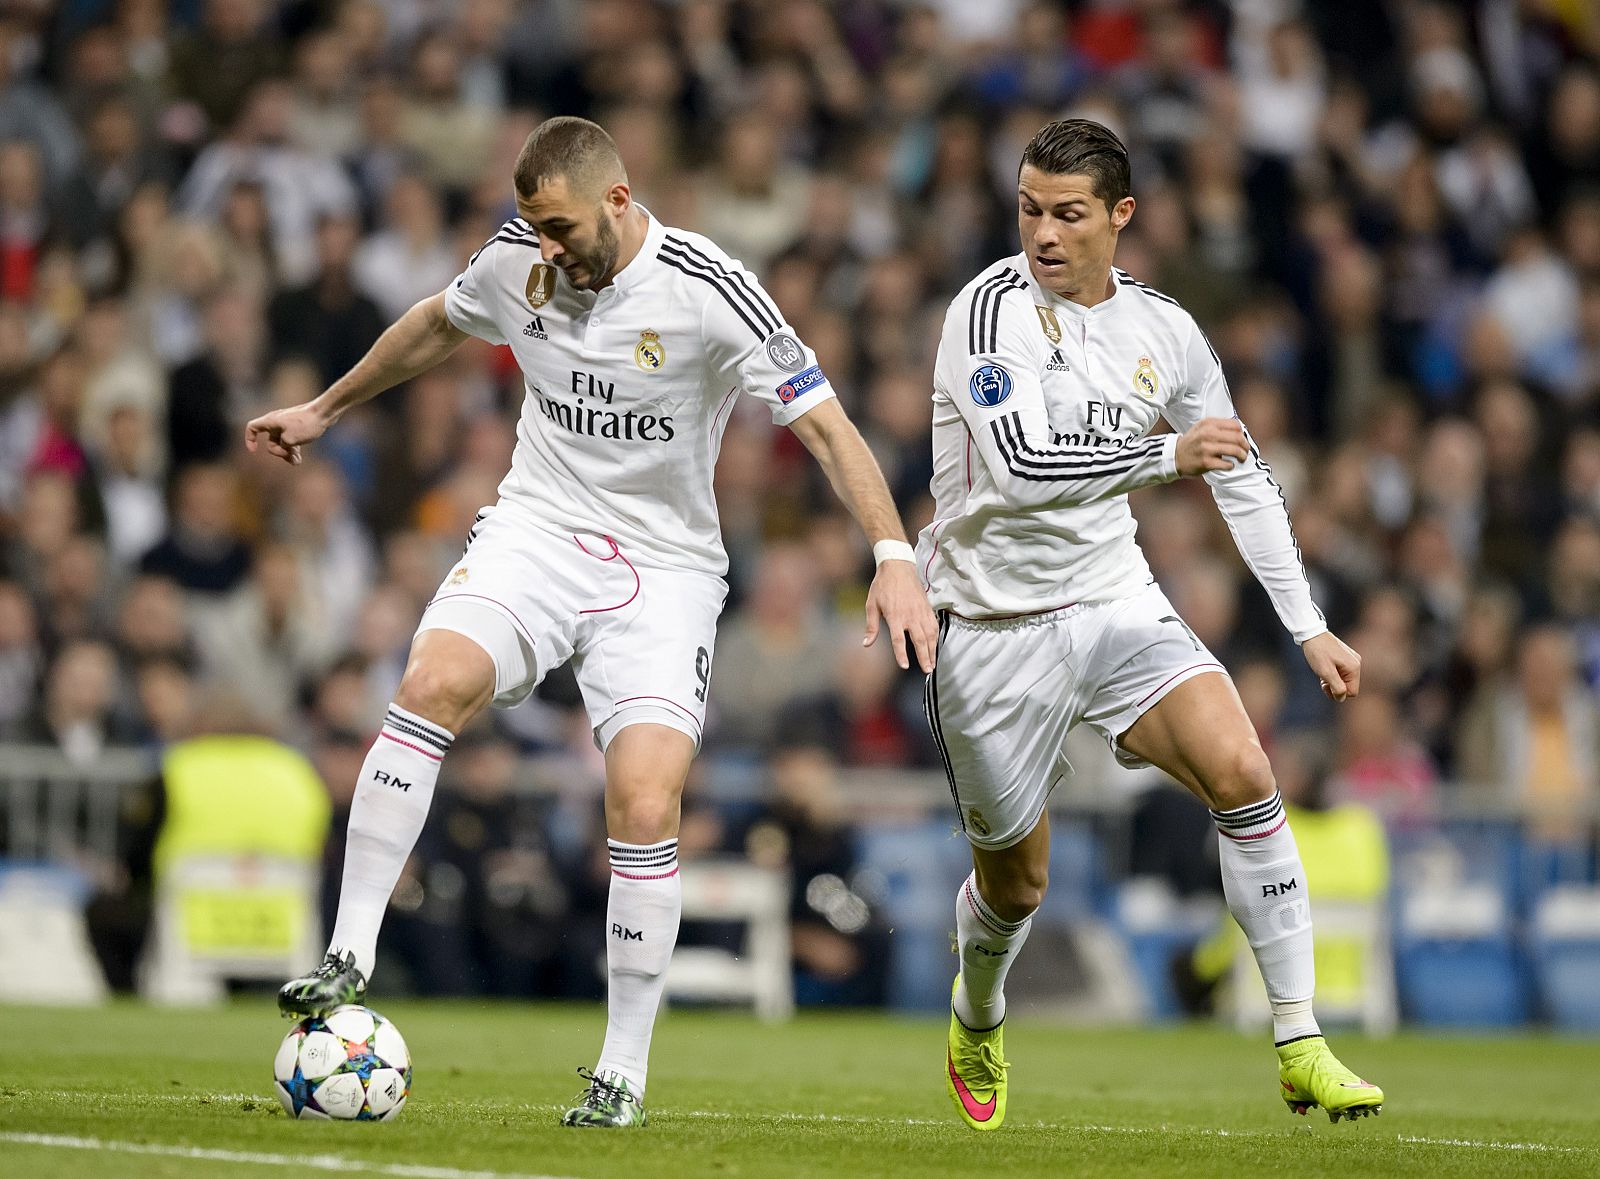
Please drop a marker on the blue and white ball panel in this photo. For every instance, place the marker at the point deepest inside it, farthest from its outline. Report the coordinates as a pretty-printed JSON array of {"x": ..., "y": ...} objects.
[
  {"x": 288, "y": 1057},
  {"x": 386, "y": 1092},
  {"x": 990, "y": 385},
  {"x": 321, "y": 1052},
  {"x": 341, "y": 1096},
  {"x": 390, "y": 1046}
]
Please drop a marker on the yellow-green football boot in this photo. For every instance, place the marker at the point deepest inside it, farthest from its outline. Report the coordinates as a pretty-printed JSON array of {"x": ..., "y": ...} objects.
[
  {"x": 975, "y": 1072},
  {"x": 1312, "y": 1076}
]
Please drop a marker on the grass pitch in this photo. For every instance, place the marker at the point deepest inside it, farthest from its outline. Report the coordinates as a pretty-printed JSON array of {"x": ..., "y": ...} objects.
[{"x": 131, "y": 1091}]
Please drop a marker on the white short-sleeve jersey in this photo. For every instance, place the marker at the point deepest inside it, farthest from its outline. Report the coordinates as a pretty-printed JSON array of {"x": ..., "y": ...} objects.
[
  {"x": 1042, "y": 413},
  {"x": 628, "y": 390}
]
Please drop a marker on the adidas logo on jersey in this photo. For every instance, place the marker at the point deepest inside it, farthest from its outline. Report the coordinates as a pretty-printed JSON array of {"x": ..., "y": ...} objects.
[
  {"x": 1057, "y": 363},
  {"x": 535, "y": 329}
]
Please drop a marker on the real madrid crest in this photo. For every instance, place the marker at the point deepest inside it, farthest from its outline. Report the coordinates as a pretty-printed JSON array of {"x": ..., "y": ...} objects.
[
  {"x": 541, "y": 284},
  {"x": 1049, "y": 322},
  {"x": 458, "y": 577},
  {"x": 649, "y": 353},
  {"x": 1144, "y": 378}
]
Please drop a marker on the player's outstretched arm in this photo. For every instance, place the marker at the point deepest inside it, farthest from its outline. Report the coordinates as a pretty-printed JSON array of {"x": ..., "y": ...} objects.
[
  {"x": 896, "y": 596},
  {"x": 1257, "y": 516},
  {"x": 414, "y": 343},
  {"x": 1337, "y": 666}
]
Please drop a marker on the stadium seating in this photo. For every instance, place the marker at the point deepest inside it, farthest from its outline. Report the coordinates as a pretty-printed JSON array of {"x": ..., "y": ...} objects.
[
  {"x": 920, "y": 866},
  {"x": 1566, "y": 955},
  {"x": 733, "y": 891},
  {"x": 1157, "y": 926},
  {"x": 44, "y": 946},
  {"x": 1457, "y": 960}
]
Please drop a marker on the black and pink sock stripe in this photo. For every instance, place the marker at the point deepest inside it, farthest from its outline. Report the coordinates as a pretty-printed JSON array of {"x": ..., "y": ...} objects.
[
  {"x": 654, "y": 861},
  {"x": 983, "y": 913},
  {"x": 408, "y": 729},
  {"x": 1256, "y": 821}
]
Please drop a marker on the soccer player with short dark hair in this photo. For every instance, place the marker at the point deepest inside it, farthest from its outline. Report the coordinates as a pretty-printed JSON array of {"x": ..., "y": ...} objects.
[
  {"x": 1054, "y": 368},
  {"x": 635, "y": 340}
]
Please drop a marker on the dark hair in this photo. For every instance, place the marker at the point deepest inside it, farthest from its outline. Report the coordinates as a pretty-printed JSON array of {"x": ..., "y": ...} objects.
[
  {"x": 570, "y": 147},
  {"x": 1082, "y": 147}
]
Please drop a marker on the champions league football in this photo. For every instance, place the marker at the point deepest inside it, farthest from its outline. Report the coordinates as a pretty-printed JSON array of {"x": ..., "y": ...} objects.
[{"x": 351, "y": 1065}]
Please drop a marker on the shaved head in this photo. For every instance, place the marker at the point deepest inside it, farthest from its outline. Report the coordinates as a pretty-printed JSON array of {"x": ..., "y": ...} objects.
[{"x": 570, "y": 149}]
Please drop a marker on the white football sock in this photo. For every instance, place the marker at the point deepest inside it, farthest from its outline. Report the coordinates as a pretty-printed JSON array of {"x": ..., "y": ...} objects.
[
  {"x": 987, "y": 945},
  {"x": 386, "y": 816},
  {"x": 1265, "y": 884},
  {"x": 641, "y": 928}
]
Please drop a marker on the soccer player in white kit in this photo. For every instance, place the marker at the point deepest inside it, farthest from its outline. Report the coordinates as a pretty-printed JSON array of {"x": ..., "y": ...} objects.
[
  {"x": 1053, "y": 368},
  {"x": 604, "y": 548}
]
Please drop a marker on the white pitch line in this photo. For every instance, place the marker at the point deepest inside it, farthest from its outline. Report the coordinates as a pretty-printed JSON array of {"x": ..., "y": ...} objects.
[
  {"x": 314, "y": 1162},
  {"x": 1476, "y": 1145}
]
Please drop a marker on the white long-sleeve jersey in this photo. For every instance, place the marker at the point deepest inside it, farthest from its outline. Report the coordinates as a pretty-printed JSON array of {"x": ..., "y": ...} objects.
[
  {"x": 629, "y": 389},
  {"x": 1042, "y": 412}
]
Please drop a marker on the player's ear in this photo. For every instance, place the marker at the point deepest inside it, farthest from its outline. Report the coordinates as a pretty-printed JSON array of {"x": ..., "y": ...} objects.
[
  {"x": 618, "y": 198},
  {"x": 1121, "y": 214}
]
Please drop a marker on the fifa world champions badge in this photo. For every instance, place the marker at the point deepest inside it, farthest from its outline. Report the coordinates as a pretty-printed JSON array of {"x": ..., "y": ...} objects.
[
  {"x": 649, "y": 353},
  {"x": 1049, "y": 323},
  {"x": 541, "y": 284}
]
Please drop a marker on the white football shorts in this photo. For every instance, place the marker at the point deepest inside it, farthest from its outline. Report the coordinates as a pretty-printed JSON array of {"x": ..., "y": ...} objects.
[
  {"x": 640, "y": 637},
  {"x": 1005, "y": 693}
]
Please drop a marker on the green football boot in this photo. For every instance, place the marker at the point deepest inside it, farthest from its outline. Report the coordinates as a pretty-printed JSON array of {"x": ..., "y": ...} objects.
[
  {"x": 1312, "y": 1076},
  {"x": 975, "y": 1072},
  {"x": 333, "y": 984},
  {"x": 608, "y": 1101}
]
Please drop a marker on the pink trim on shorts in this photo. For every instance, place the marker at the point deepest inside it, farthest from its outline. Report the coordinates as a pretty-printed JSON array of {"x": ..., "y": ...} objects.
[
  {"x": 630, "y": 699},
  {"x": 408, "y": 745},
  {"x": 1186, "y": 671},
  {"x": 633, "y": 876},
  {"x": 616, "y": 552}
]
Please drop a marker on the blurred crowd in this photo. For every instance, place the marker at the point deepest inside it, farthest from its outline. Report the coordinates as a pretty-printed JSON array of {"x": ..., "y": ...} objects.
[{"x": 1385, "y": 214}]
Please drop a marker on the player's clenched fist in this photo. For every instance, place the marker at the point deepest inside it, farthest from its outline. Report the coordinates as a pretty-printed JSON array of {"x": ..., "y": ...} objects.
[
  {"x": 1214, "y": 444},
  {"x": 285, "y": 431}
]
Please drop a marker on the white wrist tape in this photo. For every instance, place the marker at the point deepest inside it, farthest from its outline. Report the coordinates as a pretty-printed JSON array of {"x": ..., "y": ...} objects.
[{"x": 893, "y": 550}]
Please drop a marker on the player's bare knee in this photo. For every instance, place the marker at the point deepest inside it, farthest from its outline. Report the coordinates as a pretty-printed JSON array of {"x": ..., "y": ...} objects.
[
  {"x": 642, "y": 814},
  {"x": 443, "y": 691},
  {"x": 1247, "y": 779}
]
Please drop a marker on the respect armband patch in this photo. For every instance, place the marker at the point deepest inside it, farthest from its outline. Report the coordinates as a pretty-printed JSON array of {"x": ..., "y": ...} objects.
[
  {"x": 801, "y": 384},
  {"x": 990, "y": 385}
]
